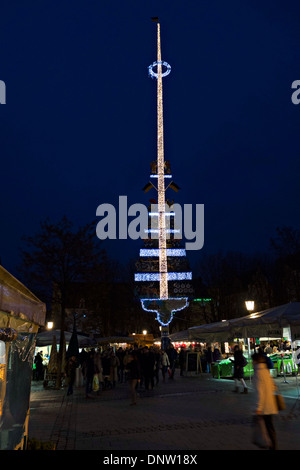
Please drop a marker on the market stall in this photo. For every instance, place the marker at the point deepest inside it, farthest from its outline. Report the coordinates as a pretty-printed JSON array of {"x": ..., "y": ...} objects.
[
  {"x": 284, "y": 363},
  {"x": 224, "y": 368},
  {"x": 276, "y": 322},
  {"x": 21, "y": 315},
  {"x": 47, "y": 344}
]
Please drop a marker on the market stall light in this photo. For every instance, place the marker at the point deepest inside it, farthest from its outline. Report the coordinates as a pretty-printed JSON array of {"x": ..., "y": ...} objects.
[{"x": 49, "y": 325}]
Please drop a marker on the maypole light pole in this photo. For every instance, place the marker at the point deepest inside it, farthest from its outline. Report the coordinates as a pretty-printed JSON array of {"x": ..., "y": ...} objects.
[{"x": 164, "y": 306}]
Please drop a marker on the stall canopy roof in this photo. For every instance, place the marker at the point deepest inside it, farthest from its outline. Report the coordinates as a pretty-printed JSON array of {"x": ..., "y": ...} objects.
[
  {"x": 18, "y": 301},
  {"x": 115, "y": 339},
  {"x": 267, "y": 323},
  {"x": 219, "y": 331},
  {"x": 180, "y": 336},
  {"x": 45, "y": 338}
]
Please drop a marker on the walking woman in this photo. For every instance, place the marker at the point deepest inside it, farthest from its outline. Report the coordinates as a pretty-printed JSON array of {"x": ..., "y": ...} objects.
[
  {"x": 266, "y": 405},
  {"x": 238, "y": 370}
]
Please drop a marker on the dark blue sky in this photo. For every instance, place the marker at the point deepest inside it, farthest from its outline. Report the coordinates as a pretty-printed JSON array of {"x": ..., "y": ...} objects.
[{"x": 79, "y": 126}]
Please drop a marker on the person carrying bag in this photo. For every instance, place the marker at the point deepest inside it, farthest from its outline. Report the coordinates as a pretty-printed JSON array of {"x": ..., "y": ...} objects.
[
  {"x": 279, "y": 400},
  {"x": 264, "y": 434}
]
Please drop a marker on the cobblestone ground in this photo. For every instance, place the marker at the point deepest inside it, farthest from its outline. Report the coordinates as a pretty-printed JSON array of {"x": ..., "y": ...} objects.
[{"x": 188, "y": 413}]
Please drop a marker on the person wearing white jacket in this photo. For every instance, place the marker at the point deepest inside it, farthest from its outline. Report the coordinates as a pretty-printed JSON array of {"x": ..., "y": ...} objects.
[
  {"x": 265, "y": 387},
  {"x": 165, "y": 364}
]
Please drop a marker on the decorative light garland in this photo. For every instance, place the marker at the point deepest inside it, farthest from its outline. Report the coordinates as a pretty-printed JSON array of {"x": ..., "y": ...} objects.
[
  {"x": 156, "y": 230},
  {"x": 157, "y": 64},
  {"x": 155, "y": 252},
  {"x": 174, "y": 310},
  {"x": 173, "y": 276},
  {"x": 156, "y": 176},
  {"x": 156, "y": 214},
  {"x": 187, "y": 276}
]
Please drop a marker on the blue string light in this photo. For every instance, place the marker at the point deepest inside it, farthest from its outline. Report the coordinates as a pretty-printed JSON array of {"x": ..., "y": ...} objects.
[
  {"x": 160, "y": 62},
  {"x": 160, "y": 301}
]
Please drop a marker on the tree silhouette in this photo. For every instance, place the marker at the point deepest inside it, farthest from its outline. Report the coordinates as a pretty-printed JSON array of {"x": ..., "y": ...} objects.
[{"x": 57, "y": 257}]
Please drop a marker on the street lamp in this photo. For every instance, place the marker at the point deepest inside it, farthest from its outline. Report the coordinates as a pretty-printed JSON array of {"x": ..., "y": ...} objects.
[
  {"x": 249, "y": 305},
  {"x": 144, "y": 333}
]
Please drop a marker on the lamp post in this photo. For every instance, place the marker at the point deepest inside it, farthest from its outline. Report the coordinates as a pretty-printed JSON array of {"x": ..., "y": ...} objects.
[
  {"x": 144, "y": 333},
  {"x": 250, "y": 307}
]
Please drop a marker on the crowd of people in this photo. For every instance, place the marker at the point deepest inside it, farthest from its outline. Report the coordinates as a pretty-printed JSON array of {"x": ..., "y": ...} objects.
[
  {"x": 144, "y": 367},
  {"x": 102, "y": 370}
]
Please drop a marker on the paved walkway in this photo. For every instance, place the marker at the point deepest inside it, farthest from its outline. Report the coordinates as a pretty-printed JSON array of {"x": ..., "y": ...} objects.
[{"x": 187, "y": 413}]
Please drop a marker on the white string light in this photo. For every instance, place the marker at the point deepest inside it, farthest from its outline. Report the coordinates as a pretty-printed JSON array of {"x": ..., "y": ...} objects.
[
  {"x": 155, "y": 252},
  {"x": 156, "y": 230},
  {"x": 156, "y": 214},
  {"x": 156, "y": 176},
  {"x": 173, "y": 276}
]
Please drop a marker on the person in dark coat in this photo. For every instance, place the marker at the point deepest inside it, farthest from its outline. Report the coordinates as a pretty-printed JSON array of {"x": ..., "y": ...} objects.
[
  {"x": 120, "y": 354},
  {"x": 238, "y": 370},
  {"x": 134, "y": 375},
  {"x": 89, "y": 373},
  {"x": 70, "y": 370},
  {"x": 38, "y": 360},
  {"x": 157, "y": 365},
  {"x": 216, "y": 354},
  {"x": 172, "y": 355},
  {"x": 147, "y": 363},
  {"x": 209, "y": 358},
  {"x": 106, "y": 365}
]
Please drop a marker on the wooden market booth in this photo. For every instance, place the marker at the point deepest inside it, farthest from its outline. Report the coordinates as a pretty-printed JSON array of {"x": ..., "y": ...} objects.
[{"x": 21, "y": 315}]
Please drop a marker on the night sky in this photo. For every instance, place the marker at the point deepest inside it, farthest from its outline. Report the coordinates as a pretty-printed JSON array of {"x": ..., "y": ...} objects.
[{"x": 79, "y": 125}]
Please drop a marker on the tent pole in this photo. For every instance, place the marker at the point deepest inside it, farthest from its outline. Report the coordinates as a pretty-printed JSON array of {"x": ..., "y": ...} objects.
[
  {"x": 293, "y": 359},
  {"x": 249, "y": 357}
]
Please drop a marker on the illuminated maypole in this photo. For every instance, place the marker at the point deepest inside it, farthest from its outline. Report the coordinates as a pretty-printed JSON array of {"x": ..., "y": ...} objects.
[
  {"x": 163, "y": 268},
  {"x": 162, "y": 304}
]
